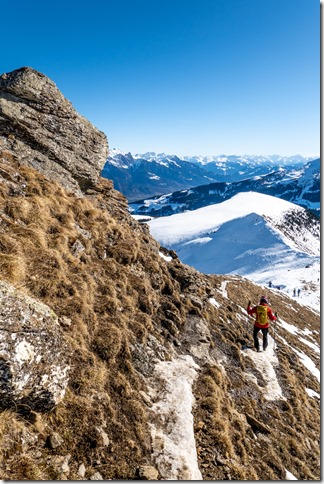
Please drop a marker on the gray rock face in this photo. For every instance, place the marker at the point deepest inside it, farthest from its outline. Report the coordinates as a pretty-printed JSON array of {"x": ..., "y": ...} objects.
[
  {"x": 43, "y": 129},
  {"x": 33, "y": 354}
]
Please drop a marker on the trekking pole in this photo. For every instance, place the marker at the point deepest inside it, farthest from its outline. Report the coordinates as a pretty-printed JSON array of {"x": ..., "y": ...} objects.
[
  {"x": 248, "y": 324},
  {"x": 248, "y": 320},
  {"x": 274, "y": 332}
]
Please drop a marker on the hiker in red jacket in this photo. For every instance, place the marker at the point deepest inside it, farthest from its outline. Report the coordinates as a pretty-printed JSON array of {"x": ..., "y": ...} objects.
[{"x": 263, "y": 314}]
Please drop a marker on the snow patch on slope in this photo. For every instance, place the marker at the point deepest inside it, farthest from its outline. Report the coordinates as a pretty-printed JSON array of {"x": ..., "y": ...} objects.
[
  {"x": 309, "y": 364},
  {"x": 174, "y": 449},
  {"x": 290, "y": 476}
]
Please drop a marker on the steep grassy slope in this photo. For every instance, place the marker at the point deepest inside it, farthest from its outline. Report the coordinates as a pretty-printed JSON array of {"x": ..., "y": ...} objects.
[{"x": 123, "y": 308}]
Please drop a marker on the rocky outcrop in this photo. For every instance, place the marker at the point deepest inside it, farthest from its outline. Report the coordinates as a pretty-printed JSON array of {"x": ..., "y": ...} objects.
[
  {"x": 33, "y": 353},
  {"x": 41, "y": 127}
]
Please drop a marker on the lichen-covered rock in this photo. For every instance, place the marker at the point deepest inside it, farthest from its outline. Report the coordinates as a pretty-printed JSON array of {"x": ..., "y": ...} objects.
[
  {"x": 40, "y": 126},
  {"x": 33, "y": 354}
]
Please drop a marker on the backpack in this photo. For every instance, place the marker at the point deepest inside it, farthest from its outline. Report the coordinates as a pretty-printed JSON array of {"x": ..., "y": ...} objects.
[{"x": 262, "y": 315}]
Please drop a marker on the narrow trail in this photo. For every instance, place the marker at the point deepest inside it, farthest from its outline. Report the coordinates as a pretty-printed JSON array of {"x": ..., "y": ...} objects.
[{"x": 265, "y": 362}]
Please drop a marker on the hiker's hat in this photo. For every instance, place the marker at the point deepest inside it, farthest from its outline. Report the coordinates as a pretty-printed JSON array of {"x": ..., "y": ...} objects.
[{"x": 264, "y": 300}]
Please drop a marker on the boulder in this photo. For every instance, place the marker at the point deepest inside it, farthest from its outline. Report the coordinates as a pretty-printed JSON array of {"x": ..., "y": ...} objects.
[
  {"x": 41, "y": 127},
  {"x": 34, "y": 363},
  {"x": 147, "y": 473}
]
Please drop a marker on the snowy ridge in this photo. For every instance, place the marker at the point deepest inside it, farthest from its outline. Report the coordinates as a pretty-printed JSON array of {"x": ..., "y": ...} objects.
[
  {"x": 182, "y": 227},
  {"x": 250, "y": 235},
  {"x": 222, "y": 159},
  {"x": 272, "y": 159}
]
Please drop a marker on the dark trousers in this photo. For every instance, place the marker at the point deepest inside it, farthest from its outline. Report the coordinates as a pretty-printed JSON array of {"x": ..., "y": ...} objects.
[{"x": 256, "y": 339}]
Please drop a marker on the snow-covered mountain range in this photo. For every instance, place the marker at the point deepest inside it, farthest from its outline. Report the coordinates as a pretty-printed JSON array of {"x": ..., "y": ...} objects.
[
  {"x": 231, "y": 168},
  {"x": 300, "y": 186},
  {"x": 140, "y": 176},
  {"x": 258, "y": 236}
]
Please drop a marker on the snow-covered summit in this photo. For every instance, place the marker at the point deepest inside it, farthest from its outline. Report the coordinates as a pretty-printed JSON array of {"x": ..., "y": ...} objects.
[
  {"x": 181, "y": 227},
  {"x": 254, "y": 235}
]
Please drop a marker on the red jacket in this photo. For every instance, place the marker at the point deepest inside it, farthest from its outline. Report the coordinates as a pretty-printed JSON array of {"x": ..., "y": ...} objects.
[{"x": 253, "y": 310}]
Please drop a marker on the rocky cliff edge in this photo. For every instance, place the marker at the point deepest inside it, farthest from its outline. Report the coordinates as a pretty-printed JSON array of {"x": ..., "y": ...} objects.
[{"x": 41, "y": 127}]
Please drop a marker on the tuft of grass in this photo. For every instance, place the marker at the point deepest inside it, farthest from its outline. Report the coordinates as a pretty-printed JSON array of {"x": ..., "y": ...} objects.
[
  {"x": 12, "y": 268},
  {"x": 16, "y": 442},
  {"x": 107, "y": 342}
]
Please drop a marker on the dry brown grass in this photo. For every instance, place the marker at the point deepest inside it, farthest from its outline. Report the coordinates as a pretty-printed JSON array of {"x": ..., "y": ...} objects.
[
  {"x": 15, "y": 464},
  {"x": 36, "y": 241},
  {"x": 117, "y": 291}
]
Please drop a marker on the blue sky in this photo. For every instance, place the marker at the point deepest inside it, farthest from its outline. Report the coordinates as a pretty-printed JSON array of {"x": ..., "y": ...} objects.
[{"x": 179, "y": 76}]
